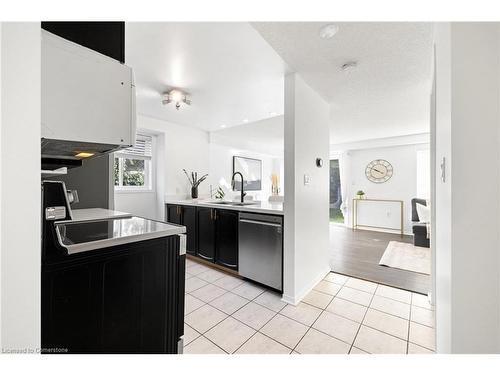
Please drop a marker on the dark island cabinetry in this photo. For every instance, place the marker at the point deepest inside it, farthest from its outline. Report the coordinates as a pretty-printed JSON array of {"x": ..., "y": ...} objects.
[{"x": 123, "y": 299}]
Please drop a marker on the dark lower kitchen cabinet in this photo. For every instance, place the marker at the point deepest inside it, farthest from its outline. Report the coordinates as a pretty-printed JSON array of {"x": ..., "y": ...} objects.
[
  {"x": 226, "y": 238},
  {"x": 190, "y": 222},
  {"x": 184, "y": 215},
  {"x": 174, "y": 214},
  {"x": 206, "y": 233},
  {"x": 124, "y": 299},
  {"x": 211, "y": 233}
]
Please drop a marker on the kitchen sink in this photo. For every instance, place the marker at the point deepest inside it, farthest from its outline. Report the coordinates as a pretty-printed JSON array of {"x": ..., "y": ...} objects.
[{"x": 233, "y": 203}]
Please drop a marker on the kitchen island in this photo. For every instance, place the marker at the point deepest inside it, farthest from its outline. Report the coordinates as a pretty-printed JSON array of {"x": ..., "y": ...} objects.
[{"x": 112, "y": 283}]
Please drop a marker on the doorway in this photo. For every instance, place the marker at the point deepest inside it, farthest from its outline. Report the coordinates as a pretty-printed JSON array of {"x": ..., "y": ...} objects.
[
  {"x": 336, "y": 215},
  {"x": 373, "y": 250}
]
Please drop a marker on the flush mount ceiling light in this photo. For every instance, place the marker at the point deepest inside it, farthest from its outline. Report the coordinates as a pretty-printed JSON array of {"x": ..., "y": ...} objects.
[
  {"x": 328, "y": 31},
  {"x": 348, "y": 66},
  {"x": 177, "y": 97}
]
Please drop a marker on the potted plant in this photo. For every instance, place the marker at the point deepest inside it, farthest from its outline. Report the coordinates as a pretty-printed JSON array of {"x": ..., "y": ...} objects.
[
  {"x": 219, "y": 194},
  {"x": 360, "y": 194},
  {"x": 195, "y": 182}
]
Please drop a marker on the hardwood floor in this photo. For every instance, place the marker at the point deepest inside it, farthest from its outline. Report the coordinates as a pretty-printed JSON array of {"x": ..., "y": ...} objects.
[{"x": 357, "y": 253}]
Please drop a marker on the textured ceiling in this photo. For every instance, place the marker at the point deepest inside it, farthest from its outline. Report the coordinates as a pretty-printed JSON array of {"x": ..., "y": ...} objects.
[
  {"x": 386, "y": 95},
  {"x": 235, "y": 72}
]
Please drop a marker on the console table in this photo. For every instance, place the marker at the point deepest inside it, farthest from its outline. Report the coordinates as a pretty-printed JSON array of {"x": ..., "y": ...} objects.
[{"x": 355, "y": 224}]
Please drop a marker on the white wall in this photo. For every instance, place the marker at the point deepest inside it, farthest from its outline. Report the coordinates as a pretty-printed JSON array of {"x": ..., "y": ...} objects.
[
  {"x": 306, "y": 219},
  {"x": 142, "y": 204},
  {"x": 1, "y": 89},
  {"x": 411, "y": 139},
  {"x": 264, "y": 136},
  {"x": 467, "y": 251},
  {"x": 178, "y": 147},
  {"x": 475, "y": 98},
  {"x": 20, "y": 186},
  {"x": 498, "y": 337},
  {"x": 401, "y": 186},
  {"x": 442, "y": 235},
  {"x": 145, "y": 203},
  {"x": 221, "y": 169},
  {"x": 433, "y": 177}
]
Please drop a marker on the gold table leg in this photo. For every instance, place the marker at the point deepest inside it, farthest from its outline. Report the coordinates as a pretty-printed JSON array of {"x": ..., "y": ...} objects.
[{"x": 402, "y": 221}]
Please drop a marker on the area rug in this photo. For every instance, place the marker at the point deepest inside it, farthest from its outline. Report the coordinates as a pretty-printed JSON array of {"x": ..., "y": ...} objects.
[{"x": 407, "y": 257}]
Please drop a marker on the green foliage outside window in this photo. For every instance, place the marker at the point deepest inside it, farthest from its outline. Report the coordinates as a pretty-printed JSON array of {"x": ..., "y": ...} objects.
[
  {"x": 132, "y": 172},
  {"x": 117, "y": 171}
]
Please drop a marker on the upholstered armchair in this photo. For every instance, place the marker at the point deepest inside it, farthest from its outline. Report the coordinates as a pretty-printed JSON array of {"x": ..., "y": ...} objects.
[{"x": 420, "y": 237}]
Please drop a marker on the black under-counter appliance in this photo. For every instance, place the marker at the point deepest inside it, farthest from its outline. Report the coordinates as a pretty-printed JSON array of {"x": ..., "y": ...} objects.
[{"x": 109, "y": 286}]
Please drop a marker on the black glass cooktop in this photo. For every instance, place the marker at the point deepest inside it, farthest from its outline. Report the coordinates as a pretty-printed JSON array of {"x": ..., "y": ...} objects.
[{"x": 84, "y": 232}]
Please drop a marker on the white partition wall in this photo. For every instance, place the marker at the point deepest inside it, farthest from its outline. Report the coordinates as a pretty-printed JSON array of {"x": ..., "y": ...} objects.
[
  {"x": 307, "y": 189},
  {"x": 467, "y": 203},
  {"x": 0, "y": 183},
  {"x": 20, "y": 186}
]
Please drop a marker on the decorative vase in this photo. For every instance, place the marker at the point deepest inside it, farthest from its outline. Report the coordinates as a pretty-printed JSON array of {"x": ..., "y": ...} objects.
[{"x": 194, "y": 192}]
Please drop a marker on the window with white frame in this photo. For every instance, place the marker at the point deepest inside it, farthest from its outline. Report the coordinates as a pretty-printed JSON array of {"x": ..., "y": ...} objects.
[{"x": 133, "y": 166}]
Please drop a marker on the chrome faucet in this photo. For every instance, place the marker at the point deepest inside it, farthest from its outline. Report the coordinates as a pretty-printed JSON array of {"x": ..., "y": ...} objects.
[{"x": 242, "y": 183}]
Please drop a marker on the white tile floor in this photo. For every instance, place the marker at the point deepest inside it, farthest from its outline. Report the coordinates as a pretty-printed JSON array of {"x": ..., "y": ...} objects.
[{"x": 342, "y": 315}]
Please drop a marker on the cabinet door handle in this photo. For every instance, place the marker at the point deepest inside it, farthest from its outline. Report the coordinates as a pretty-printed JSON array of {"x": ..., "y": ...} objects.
[
  {"x": 204, "y": 256},
  {"x": 211, "y": 214},
  {"x": 227, "y": 264},
  {"x": 215, "y": 215},
  {"x": 260, "y": 223}
]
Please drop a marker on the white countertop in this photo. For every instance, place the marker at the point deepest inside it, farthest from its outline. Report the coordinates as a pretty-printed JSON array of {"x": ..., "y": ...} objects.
[
  {"x": 120, "y": 228},
  {"x": 86, "y": 214},
  {"x": 257, "y": 206}
]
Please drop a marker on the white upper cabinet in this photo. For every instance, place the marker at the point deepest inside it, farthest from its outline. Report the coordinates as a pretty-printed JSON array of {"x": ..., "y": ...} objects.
[{"x": 87, "y": 97}]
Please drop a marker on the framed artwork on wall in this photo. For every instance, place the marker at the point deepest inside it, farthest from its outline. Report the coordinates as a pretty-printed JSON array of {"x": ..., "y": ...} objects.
[{"x": 251, "y": 169}]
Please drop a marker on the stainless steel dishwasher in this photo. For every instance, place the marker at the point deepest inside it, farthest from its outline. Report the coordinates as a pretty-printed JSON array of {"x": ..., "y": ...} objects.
[{"x": 260, "y": 250}]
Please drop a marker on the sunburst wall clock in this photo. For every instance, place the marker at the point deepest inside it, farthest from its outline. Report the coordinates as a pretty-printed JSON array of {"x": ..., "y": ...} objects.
[{"x": 379, "y": 171}]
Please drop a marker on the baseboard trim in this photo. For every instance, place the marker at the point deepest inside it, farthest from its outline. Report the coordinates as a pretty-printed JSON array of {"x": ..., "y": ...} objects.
[
  {"x": 288, "y": 299},
  {"x": 381, "y": 230},
  {"x": 294, "y": 300}
]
